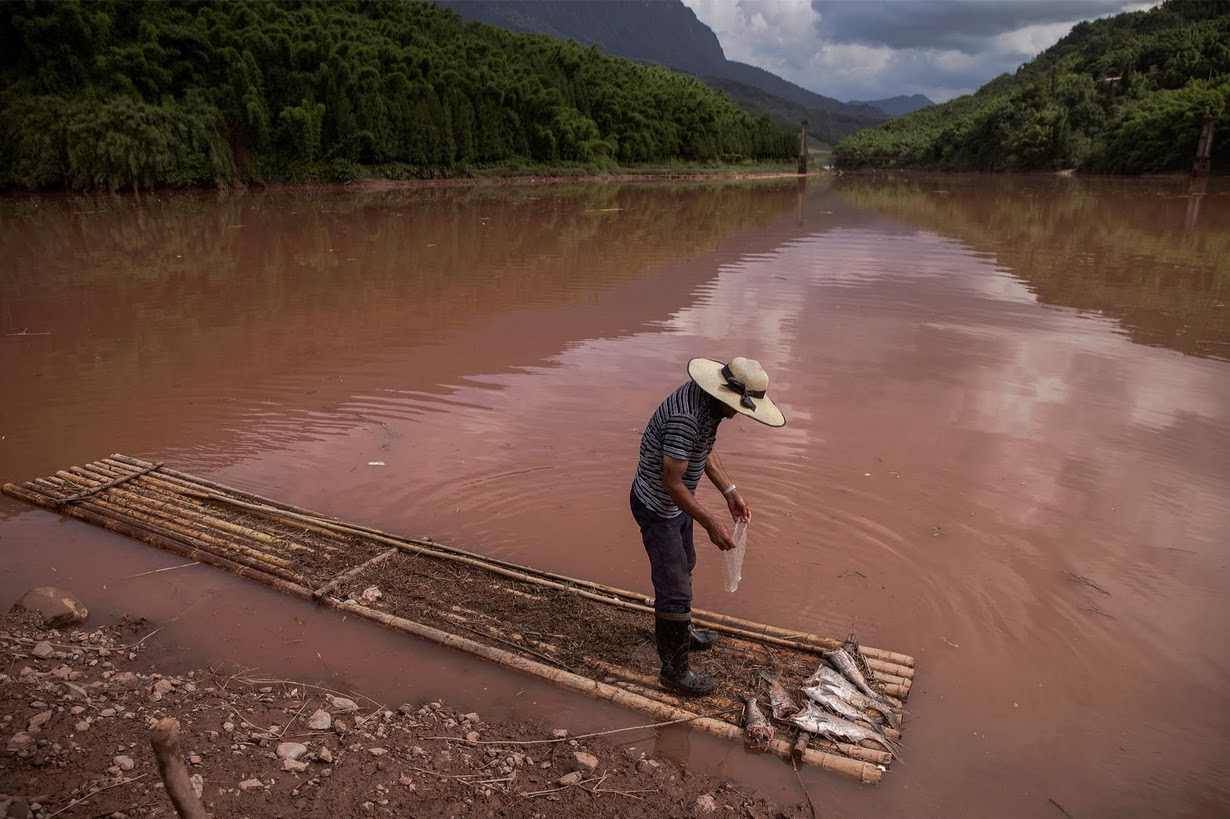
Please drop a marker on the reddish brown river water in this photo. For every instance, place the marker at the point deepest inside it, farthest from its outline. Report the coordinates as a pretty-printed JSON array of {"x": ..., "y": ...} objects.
[{"x": 992, "y": 386}]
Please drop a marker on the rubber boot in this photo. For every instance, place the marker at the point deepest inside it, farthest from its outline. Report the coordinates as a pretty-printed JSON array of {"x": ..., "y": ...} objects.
[
  {"x": 701, "y": 639},
  {"x": 673, "y": 645}
]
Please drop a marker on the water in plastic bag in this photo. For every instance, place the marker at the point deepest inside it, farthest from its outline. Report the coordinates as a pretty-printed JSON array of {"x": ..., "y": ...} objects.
[{"x": 733, "y": 559}]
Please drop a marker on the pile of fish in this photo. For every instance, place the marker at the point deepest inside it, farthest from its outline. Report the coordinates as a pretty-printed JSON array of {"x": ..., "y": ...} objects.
[{"x": 839, "y": 705}]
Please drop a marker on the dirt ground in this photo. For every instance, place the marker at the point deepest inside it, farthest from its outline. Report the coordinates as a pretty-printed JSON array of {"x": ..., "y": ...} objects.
[{"x": 77, "y": 704}]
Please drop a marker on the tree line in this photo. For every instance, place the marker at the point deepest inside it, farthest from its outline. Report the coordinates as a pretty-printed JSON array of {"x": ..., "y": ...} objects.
[
  {"x": 123, "y": 93},
  {"x": 1127, "y": 94}
]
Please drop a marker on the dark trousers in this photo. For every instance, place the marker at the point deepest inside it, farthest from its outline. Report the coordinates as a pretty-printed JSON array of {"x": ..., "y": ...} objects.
[{"x": 672, "y": 556}]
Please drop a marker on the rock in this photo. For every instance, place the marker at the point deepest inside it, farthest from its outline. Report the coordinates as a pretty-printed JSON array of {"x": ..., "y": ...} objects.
[
  {"x": 341, "y": 704},
  {"x": 582, "y": 761},
  {"x": 377, "y": 751},
  {"x": 38, "y": 721},
  {"x": 251, "y": 785},
  {"x": 81, "y": 727},
  {"x": 705, "y": 803},
  {"x": 198, "y": 784},
  {"x": 194, "y": 759},
  {"x": 19, "y": 740},
  {"x": 647, "y": 765},
  {"x": 228, "y": 726},
  {"x": 570, "y": 778},
  {"x": 473, "y": 736},
  {"x": 162, "y": 688},
  {"x": 293, "y": 765},
  {"x": 124, "y": 679},
  {"x": 371, "y": 594},
  {"x": 324, "y": 755},
  {"x": 320, "y": 721},
  {"x": 124, "y": 763},
  {"x": 42, "y": 650},
  {"x": 559, "y": 733},
  {"x": 57, "y": 607},
  {"x": 107, "y": 712},
  {"x": 472, "y": 717},
  {"x": 76, "y": 709},
  {"x": 291, "y": 750}
]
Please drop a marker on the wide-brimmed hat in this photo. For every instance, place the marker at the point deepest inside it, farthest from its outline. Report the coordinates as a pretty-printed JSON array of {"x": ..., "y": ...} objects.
[{"x": 740, "y": 385}]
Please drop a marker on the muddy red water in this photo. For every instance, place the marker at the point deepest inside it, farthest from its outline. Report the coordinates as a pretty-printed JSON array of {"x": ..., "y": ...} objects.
[{"x": 994, "y": 387}]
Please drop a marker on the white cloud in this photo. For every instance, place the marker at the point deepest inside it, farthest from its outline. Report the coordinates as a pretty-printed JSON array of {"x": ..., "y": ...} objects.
[{"x": 872, "y": 49}]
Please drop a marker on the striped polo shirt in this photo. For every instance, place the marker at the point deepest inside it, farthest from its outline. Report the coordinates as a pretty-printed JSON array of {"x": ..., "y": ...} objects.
[{"x": 683, "y": 427}]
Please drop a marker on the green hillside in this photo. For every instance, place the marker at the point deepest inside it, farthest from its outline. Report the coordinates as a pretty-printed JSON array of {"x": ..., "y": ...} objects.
[
  {"x": 1126, "y": 94},
  {"x": 119, "y": 93}
]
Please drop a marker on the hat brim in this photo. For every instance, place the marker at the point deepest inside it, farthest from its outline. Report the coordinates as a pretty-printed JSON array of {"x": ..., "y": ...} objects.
[{"x": 707, "y": 374}]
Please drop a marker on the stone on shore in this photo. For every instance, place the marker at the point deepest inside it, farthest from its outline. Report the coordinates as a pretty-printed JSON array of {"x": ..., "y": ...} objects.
[{"x": 57, "y": 607}]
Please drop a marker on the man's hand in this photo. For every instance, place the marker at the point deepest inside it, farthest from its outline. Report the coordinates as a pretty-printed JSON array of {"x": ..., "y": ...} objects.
[
  {"x": 738, "y": 507},
  {"x": 720, "y": 535}
]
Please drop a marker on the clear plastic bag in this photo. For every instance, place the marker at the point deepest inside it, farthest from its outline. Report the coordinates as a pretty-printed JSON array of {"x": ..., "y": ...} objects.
[{"x": 732, "y": 560}]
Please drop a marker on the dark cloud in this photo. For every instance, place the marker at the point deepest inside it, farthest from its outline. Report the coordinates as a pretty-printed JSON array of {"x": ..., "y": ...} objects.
[{"x": 945, "y": 24}]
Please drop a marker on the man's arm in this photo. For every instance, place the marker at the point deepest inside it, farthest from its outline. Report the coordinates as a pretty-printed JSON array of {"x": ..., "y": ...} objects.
[
  {"x": 672, "y": 480},
  {"x": 734, "y": 501}
]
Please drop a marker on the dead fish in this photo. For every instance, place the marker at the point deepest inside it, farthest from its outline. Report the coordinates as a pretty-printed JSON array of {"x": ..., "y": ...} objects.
[
  {"x": 843, "y": 662},
  {"x": 816, "y": 721},
  {"x": 846, "y": 690},
  {"x": 829, "y": 698},
  {"x": 755, "y": 726},
  {"x": 780, "y": 702}
]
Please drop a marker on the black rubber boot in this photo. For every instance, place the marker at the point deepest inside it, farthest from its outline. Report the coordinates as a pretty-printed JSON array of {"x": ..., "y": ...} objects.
[
  {"x": 701, "y": 639},
  {"x": 674, "y": 637}
]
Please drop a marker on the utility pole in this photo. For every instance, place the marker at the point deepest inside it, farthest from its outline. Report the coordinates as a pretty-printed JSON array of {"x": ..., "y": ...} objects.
[
  {"x": 1204, "y": 149},
  {"x": 803, "y": 151}
]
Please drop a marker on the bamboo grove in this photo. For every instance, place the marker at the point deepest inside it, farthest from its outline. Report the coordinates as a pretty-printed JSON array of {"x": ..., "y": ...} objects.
[
  {"x": 1126, "y": 94},
  {"x": 123, "y": 94}
]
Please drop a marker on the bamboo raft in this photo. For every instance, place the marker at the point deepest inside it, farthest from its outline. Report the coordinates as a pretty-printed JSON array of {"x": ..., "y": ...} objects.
[{"x": 581, "y": 635}]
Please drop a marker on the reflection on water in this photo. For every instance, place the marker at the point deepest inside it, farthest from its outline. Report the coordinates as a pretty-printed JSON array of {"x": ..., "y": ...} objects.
[
  {"x": 1150, "y": 254},
  {"x": 990, "y": 383}
]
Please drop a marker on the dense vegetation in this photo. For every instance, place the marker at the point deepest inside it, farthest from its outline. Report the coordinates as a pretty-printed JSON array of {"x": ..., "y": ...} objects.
[
  {"x": 120, "y": 93},
  {"x": 1126, "y": 94}
]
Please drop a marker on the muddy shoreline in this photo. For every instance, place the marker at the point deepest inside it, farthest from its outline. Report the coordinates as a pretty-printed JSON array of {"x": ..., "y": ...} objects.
[{"x": 77, "y": 705}]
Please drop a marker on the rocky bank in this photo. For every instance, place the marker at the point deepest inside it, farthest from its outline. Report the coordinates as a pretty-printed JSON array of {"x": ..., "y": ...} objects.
[{"x": 77, "y": 704}]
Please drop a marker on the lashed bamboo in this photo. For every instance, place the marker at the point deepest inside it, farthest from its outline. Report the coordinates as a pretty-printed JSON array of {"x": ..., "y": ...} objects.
[
  {"x": 141, "y": 509},
  {"x": 190, "y": 547},
  {"x": 263, "y": 538},
  {"x": 429, "y": 549},
  {"x": 109, "y": 484},
  {"x": 172, "y": 491},
  {"x": 123, "y": 525},
  {"x": 862, "y": 771},
  {"x": 878, "y": 659}
]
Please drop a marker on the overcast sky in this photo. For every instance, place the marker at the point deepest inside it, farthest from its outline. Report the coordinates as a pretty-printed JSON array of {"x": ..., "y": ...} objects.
[{"x": 874, "y": 49}]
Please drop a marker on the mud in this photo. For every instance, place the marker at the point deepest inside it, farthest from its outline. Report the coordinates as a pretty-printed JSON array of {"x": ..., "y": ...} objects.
[{"x": 77, "y": 706}]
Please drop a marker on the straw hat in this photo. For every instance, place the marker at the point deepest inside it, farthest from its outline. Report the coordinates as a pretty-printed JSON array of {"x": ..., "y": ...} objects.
[{"x": 740, "y": 385}]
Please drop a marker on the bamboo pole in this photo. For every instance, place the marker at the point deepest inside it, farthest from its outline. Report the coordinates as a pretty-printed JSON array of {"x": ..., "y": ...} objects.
[
  {"x": 862, "y": 771},
  {"x": 192, "y": 547},
  {"x": 878, "y": 659},
  {"x": 357, "y": 570},
  {"x": 253, "y": 534},
  {"x": 172, "y": 489},
  {"x": 121, "y": 525},
  {"x": 140, "y": 510},
  {"x": 171, "y": 526},
  {"x": 109, "y": 484}
]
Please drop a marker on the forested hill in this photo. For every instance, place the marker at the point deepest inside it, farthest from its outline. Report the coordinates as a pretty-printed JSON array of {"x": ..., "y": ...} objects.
[
  {"x": 901, "y": 104},
  {"x": 668, "y": 33},
  {"x": 123, "y": 93},
  {"x": 1125, "y": 94}
]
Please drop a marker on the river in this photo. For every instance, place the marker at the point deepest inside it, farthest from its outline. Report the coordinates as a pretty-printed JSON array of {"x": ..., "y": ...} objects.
[{"x": 994, "y": 386}]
